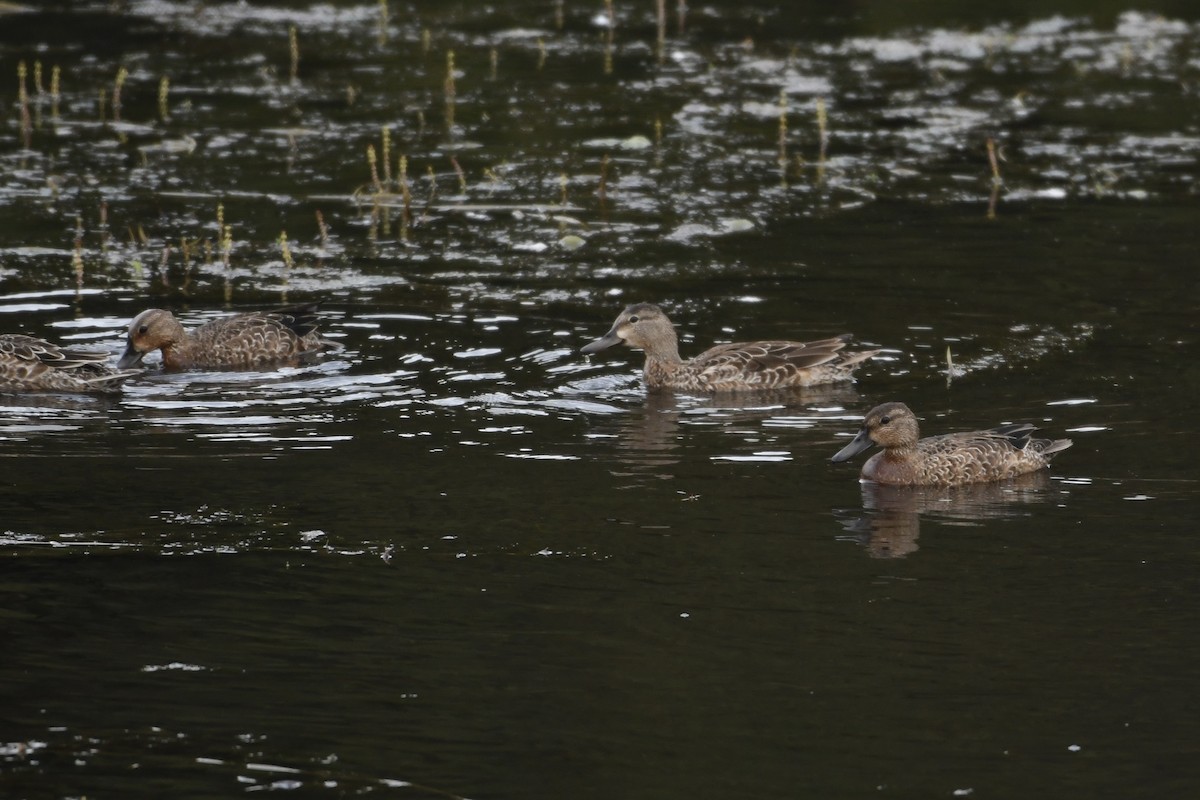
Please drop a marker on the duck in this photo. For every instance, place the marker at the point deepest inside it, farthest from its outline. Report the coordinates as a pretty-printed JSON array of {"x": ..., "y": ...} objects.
[
  {"x": 29, "y": 364},
  {"x": 727, "y": 367},
  {"x": 952, "y": 459},
  {"x": 253, "y": 339}
]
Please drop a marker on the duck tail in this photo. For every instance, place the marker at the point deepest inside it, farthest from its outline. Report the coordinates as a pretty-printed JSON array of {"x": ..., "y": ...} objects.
[
  {"x": 111, "y": 381},
  {"x": 330, "y": 345},
  {"x": 854, "y": 359},
  {"x": 302, "y": 320},
  {"x": 1050, "y": 447}
]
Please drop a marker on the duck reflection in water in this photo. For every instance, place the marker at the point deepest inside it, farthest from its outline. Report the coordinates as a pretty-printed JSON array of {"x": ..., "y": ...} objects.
[
  {"x": 889, "y": 522},
  {"x": 650, "y": 439}
]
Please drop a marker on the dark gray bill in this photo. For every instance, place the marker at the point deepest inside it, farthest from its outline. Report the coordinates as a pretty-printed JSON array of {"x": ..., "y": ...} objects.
[
  {"x": 856, "y": 446},
  {"x": 131, "y": 358},
  {"x": 603, "y": 343}
]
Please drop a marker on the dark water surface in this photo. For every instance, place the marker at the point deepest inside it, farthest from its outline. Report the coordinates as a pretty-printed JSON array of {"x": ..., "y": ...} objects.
[{"x": 459, "y": 559}]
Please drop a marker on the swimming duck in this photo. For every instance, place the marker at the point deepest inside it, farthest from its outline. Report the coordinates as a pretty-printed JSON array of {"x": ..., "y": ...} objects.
[
  {"x": 952, "y": 459},
  {"x": 28, "y": 364},
  {"x": 254, "y": 339},
  {"x": 727, "y": 367}
]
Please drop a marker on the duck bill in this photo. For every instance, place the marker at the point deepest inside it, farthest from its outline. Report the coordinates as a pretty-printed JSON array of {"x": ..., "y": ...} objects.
[
  {"x": 603, "y": 343},
  {"x": 856, "y": 446},
  {"x": 131, "y": 358}
]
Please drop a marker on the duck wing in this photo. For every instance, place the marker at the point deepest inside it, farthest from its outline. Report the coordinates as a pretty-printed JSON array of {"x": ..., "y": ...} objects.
[
  {"x": 32, "y": 349},
  {"x": 257, "y": 337},
  {"x": 300, "y": 320},
  {"x": 994, "y": 454},
  {"x": 766, "y": 362}
]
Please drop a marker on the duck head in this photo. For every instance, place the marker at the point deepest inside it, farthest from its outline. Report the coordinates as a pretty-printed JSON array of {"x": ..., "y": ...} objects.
[
  {"x": 643, "y": 326},
  {"x": 889, "y": 425},
  {"x": 153, "y": 329}
]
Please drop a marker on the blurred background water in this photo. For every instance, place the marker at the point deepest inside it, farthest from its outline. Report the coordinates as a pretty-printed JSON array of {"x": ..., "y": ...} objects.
[{"x": 460, "y": 559}]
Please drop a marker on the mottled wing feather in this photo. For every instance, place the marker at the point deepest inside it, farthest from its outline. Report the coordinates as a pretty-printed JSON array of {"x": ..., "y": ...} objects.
[
  {"x": 244, "y": 339},
  {"x": 302, "y": 320},
  {"x": 28, "y": 364},
  {"x": 76, "y": 359},
  {"x": 764, "y": 363},
  {"x": 259, "y": 337},
  {"x": 27, "y": 348},
  {"x": 980, "y": 456},
  {"x": 1017, "y": 433}
]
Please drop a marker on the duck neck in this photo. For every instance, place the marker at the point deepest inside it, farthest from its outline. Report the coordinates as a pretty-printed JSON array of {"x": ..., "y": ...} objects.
[
  {"x": 664, "y": 350},
  {"x": 901, "y": 452},
  {"x": 176, "y": 351}
]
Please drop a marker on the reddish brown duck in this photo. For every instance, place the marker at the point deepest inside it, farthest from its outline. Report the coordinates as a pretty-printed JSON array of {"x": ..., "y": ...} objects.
[
  {"x": 727, "y": 367},
  {"x": 952, "y": 459},
  {"x": 256, "y": 339}
]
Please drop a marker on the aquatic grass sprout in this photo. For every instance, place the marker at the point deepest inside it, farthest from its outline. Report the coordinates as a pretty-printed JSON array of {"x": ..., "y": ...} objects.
[{"x": 761, "y": 129}]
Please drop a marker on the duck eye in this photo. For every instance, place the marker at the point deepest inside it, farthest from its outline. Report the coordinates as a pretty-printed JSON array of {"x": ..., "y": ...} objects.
[
  {"x": 885, "y": 420},
  {"x": 633, "y": 318},
  {"x": 143, "y": 329}
]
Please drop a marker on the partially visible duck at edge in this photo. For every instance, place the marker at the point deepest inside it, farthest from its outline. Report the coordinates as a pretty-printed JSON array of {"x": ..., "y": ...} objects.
[
  {"x": 28, "y": 364},
  {"x": 727, "y": 367},
  {"x": 255, "y": 339},
  {"x": 953, "y": 459}
]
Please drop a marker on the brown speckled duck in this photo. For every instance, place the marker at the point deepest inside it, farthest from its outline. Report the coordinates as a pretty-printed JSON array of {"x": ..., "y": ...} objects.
[
  {"x": 256, "y": 339},
  {"x": 727, "y": 367},
  {"x": 952, "y": 459},
  {"x": 28, "y": 364}
]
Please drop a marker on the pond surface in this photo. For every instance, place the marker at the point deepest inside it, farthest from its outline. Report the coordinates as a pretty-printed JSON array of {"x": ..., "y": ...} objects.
[{"x": 460, "y": 559}]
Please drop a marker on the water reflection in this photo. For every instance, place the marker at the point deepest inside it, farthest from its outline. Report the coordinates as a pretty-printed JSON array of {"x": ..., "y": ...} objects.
[
  {"x": 398, "y": 514},
  {"x": 723, "y": 137},
  {"x": 890, "y": 520},
  {"x": 647, "y": 440},
  {"x": 652, "y": 437}
]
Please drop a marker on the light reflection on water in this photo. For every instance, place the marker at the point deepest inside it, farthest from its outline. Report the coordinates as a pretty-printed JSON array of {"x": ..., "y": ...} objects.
[
  {"x": 938, "y": 107},
  {"x": 461, "y": 554}
]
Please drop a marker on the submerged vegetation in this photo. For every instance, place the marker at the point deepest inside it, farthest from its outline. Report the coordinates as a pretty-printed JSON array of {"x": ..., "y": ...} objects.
[
  {"x": 656, "y": 130},
  {"x": 455, "y": 556}
]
